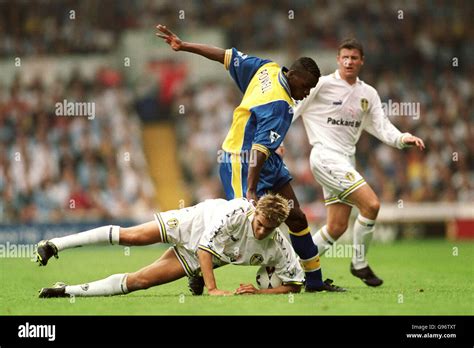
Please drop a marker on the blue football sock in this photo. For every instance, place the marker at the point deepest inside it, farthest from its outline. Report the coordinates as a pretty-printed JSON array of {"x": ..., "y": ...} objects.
[{"x": 308, "y": 252}]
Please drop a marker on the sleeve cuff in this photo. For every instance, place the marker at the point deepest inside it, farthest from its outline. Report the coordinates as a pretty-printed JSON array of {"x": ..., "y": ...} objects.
[
  {"x": 227, "y": 58},
  {"x": 402, "y": 145},
  {"x": 261, "y": 148},
  {"x": 209, "y": 250}
]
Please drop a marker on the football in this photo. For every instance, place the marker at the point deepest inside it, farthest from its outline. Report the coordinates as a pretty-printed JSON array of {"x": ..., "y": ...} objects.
[{"x": 267, "y": 278}]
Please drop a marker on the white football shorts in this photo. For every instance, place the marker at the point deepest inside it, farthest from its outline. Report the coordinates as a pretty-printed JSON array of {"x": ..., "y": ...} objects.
[
  {"x": 336, "y": 173},
  {"x": 176, "y": 227},
  {"x": 183, "y": 229}
]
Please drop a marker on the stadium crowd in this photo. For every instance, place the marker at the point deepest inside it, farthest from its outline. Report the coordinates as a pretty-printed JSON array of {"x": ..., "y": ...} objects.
[
  {"x": 49, "y": 26},
  {"x": 412, "y": 65},
  {"x": 56, "y": 167},
  {"x": 443, "y": 172},
  {"x": 50, "y": 164}
]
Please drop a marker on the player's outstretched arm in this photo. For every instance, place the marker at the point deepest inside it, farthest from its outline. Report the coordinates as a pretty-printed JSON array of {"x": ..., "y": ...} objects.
[
  {"x": 282, "y": 289},
  {"x": 210, "y": 52},
  {"x": 205, "y": 260}
]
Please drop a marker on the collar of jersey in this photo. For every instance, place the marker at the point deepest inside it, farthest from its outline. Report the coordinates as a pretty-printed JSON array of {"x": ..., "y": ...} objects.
[
  {"x": 251, "y": 214},
  {"x": 284, "y": 81},
  {"x": 338, "y": 77}
]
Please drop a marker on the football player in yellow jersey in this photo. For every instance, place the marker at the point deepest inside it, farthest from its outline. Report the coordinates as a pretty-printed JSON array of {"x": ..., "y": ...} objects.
[{"x": 249, "y": 165}]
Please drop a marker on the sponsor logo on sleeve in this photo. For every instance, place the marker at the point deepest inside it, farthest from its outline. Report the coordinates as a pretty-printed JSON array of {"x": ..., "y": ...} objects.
[{"x": 274, "y": 136}]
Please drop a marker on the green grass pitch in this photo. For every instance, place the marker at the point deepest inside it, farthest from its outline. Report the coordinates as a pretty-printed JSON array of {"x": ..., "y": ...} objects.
[{"x": 422, "y": 277}]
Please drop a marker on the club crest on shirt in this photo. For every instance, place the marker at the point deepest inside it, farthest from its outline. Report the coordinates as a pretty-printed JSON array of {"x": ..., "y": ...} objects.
[
  {"x": 172, "y": 223},
  {"x": 364, "y": 104},
  {"x": 350, "y": 176},
  {"x": 256, "y": 259}
]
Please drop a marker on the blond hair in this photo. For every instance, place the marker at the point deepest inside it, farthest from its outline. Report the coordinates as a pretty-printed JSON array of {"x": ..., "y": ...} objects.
[{"x": 274, "y": 207}]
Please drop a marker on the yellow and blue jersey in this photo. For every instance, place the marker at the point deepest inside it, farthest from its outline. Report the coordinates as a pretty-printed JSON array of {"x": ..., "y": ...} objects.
[
  {"x": 260, "y": 122},
  {"x": 265, "y": 113}
]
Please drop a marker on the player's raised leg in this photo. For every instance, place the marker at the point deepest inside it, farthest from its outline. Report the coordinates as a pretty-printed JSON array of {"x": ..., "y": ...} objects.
[
  {"x": 300, "y": 236},
  {"x": 144, "y": 234},
  {"x": 368, "y": 204},
  {"x": 166, "y": 269}
]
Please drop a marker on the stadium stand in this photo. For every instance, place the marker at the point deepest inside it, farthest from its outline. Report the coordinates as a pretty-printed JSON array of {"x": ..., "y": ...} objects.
[
  {"x": 58, "y": 168},
  {"x": 420, "y": 63}
]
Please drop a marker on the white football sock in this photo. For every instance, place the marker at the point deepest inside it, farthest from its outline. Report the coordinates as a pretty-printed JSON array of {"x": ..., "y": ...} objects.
[
  {"x": 101, "y": 235},
  {"x": 114, "y": 285},
  {"x": 363, "y": 232},
  {"x": 323, "y": 240}
]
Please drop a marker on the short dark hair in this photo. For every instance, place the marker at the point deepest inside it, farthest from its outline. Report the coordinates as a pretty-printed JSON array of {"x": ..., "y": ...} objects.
[
  {"x": 351, "y": 43},
  {"x": 308, "y": 65}
]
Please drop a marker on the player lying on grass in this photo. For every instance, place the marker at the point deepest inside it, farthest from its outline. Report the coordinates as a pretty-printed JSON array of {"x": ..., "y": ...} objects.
[
  {"x": 249, "y": 166},
  {"x": 207, "y": 235}
]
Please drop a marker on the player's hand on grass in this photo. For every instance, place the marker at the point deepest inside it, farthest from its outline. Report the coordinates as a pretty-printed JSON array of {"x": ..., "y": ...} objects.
[
  {"x": 217, "y": 292},
  {"x": 171, "y": 39},
  {"x": 246, "y": 289},
  {"x": 414, "y": 141}
]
